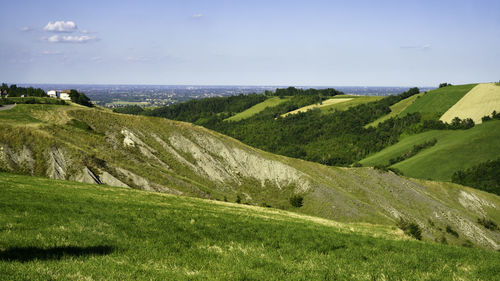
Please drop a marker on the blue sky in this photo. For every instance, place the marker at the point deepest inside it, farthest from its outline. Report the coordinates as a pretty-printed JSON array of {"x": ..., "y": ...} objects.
[{"x": 212, "y": 42}]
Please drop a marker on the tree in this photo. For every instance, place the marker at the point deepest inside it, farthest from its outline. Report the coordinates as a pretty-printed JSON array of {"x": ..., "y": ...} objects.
[
  {"x": 79, "y": 98},
  {"x": 444, "y": 85}
]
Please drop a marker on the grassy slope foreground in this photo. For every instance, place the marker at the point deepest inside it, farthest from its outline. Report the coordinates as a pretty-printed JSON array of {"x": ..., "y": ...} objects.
[
  {"x": 58, "y": 230},
  {"x": 156, "y": 154}
]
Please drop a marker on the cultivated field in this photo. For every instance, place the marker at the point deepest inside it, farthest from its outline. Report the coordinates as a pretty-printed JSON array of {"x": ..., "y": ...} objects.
[
  {"x": 436, "y": 102},
  {"x": 59, "y": 230},
  {"x": 480, "y": 101},
  {"x": 325, "y": 103},
  {"x": 270, "y": 102},
  {"x": 355, "y": 100}
]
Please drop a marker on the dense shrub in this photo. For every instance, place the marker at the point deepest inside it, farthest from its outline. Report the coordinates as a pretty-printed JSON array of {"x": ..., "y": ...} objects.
[
  {"x": 410, "y": 228},
  {"x": 416, "y": 149},
  {"x": 451, "y": 231},
  {"x": 487, "y": 223},
  {"x": 484, "y": 176},
  {"x": 297, "y": 201}
]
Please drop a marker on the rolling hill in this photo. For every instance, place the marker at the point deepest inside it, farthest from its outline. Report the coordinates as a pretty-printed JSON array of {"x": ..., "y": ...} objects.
[
  {"x": 60, "y": 230},
  {"x": 270, "y": 102},
  {"x": 435, "y": 103},
  {"x": 454, "y": 150},
  {"x": 481, "y": 101},
  {"x": 156, "y": 154}
]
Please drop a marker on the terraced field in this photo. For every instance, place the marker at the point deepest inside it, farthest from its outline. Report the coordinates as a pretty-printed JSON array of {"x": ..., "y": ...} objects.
[
  {"x": 59, "y": 230},
  {"x": 482, "y": 100}
]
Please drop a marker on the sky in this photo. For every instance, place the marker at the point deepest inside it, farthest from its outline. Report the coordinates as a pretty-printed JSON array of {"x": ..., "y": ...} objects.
[{"x": 217, "y": 42}]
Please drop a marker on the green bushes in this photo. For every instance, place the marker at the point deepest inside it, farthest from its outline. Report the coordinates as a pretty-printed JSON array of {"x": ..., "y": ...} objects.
[
  {"x": 484, "y": 176},
  {"x": 487, "y": 223},
  {"x": 451, "y": 231},
  {"x": 297, "y": 201},
  {"x": 410, "y": 228},
  {"x": 416, "y": 149}
]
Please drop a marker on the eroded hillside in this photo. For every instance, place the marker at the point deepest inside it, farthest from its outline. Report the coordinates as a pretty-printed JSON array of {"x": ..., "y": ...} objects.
[{"x": 95, "y": 146}]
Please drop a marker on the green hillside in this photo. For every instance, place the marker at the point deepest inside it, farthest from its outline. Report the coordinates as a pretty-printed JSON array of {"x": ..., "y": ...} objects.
[
  {"x": 356, "y": 100},
  {"x": 436, "y": 102},
  {"x": 59, "y": 230},
  {"x": 396, "y": 110},
  {"x": 454, "y": 150},
  {"x": 270, "y": 102},
  {"x": 156, "y": 154}
]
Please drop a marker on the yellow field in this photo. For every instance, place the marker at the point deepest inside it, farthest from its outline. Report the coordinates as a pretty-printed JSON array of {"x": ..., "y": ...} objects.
[
  {"x": 317, "y": 105},
  {"x": 480, "y": 101}
]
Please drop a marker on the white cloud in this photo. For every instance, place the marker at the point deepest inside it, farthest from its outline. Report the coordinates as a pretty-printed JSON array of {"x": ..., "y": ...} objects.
[
  {"x": 50, "y": 53},
  {"x": 26, "y": 29},
  {"x": 61, "y": 26},
  {"x": 70, "y": 39},
  {"x": 197, "y": 16},
  {"x": 416, "y": 47}
]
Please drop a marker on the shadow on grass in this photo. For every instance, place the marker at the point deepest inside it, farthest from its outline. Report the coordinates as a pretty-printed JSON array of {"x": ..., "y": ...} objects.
[{"x": 24, "y": 254}]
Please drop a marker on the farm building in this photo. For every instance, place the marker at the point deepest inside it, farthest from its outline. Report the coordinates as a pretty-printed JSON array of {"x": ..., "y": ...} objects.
[
  {"x": 64, "y": 95},
  {"x": 53, "y": 94}
]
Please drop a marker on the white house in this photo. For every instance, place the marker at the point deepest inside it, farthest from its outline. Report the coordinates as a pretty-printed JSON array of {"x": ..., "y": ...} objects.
[
  {"x": 64, "y": 95},
  {"x": 53, "y": 94}
]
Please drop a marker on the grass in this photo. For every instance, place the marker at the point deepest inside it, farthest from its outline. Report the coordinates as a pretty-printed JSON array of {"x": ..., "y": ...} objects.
[
  {"x": 454, "y": 150},
  {"x": 355, "y": 100},
  {"x": 270, "y": 102},
  {"x": 61, "y": 230},
  {"x": 396, "y": 110},
  {"x": 93, "y": 138},
  {"x": 437, "y": 102},
  {"x": 325, "y": 103},
  {"x": 482, "y": 100}
]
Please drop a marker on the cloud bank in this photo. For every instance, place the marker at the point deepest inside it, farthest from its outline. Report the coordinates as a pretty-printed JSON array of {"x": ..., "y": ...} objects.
[
  {"x": 61, "y": 26},
  {"x": 71, "y": 39}
]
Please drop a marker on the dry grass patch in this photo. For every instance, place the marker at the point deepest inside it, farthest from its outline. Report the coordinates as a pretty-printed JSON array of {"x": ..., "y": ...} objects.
[
  {"x": 317, "y": 105},
  {"x": 480, "y": 101}
]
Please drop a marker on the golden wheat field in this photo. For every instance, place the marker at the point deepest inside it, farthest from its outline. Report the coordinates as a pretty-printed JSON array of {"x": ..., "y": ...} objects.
[{"x": 482, "y": 100}]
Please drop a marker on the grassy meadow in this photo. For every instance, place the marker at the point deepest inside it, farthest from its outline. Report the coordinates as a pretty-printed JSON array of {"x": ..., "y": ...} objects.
[
  {"x": 270, "y": 102},
  {"x": 436, "y": 102},
  {"x": 396, "y": 110},
  {"x": 454, "y": 150},
  {"x": 59, "y": 230},
  {"x": 354, "y": 100}
]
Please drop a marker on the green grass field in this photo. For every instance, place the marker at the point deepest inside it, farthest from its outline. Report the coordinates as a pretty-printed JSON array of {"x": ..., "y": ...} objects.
[
  {"x": 270, "y": 102},
  {"x": 454, "y": 150},
  {"x": 436, "y": 102},
  {"x": 58, "y": 230},
  {"x": 396, "y": 109},
  {"x": 356, "y": 100}
]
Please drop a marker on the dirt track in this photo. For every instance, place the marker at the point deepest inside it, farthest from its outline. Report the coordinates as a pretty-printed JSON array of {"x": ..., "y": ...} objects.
[{"x": 6, "y": 107}]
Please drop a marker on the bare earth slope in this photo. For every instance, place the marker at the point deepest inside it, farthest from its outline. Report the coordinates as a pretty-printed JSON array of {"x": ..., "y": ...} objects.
[{"x": 95, "y": 146}]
